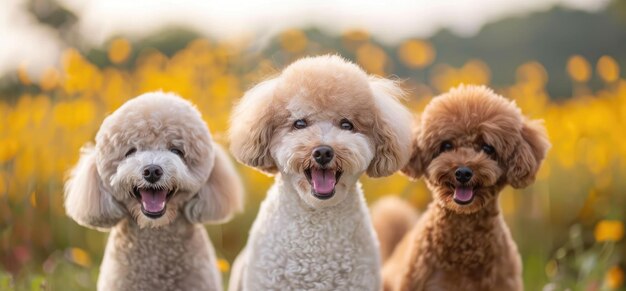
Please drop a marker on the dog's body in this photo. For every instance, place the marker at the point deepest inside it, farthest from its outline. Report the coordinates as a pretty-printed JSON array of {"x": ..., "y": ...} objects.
[
  {"x": 292, "y": 247},
  {"x": 319, "y": 126},
  {"x": 153, "y": 177},
  {"x": 469, "y": 145},
  {"x": 178, "y": 256},
  {"x": 445, "y": 251}
]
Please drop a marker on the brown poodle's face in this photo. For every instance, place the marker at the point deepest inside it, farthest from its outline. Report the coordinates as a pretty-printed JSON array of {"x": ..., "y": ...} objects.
[
  {"x": 153, "y": 154},
  {"x": 471, "y": 143},
  {"x": 465, "y": 172}
]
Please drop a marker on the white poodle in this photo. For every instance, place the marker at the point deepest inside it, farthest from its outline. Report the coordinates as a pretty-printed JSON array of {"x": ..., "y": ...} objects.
[
  {"x": 153, "y": 177},
  {"x": 318, "y": 126}
]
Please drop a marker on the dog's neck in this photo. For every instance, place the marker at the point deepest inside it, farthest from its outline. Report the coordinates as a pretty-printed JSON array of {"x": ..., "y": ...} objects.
[
  {"x": 468, "y": 243},
  {"x": 180, "y": 227}
]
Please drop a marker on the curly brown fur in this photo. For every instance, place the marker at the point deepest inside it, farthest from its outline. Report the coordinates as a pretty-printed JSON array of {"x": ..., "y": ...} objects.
[
  {"x": 461, "y": 242},
  {"x": 152, "y": 177}
]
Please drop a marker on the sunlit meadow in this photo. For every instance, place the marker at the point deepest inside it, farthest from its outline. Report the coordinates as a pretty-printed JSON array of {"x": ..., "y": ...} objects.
[{"x": 569, "y": 225}]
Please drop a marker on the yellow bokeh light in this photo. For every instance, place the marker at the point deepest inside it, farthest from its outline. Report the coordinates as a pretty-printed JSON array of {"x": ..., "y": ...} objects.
[
  {"x": 608, "y": 69},
  {"x": 119, "y": 50},
  {"x": 79, "y": 257},
  {"x": 49, "y": 79},
  {"x": 609, "y": 230},
  {"x": 416, "y": 54},
  {"x": 532, "y": 73},
  {"x": 223, "y": 265},
  {"x": 353, "y": 39},
  {"x": 372, "y": 58},
  {"x": 293, "y": 40},
  {"x": 614, "y": 278},
  {"x": 578, "y": 68}
]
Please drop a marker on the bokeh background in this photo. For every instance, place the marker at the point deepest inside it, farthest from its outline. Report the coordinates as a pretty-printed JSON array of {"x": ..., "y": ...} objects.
[{"x": 65, "y": 65}]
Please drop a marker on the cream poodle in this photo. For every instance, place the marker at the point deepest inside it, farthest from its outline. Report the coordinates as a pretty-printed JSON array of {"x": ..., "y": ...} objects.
[
  {"x": 469, "y": 144},
  {"x": 318, "y": 126},
  {"x": 153, "y": 177}
]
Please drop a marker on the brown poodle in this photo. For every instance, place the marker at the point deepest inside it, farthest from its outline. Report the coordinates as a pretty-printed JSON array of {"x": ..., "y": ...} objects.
[{"x": 470, "y": 143}]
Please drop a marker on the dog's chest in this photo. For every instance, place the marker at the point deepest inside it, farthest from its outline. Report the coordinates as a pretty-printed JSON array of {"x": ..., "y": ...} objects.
[
  {"x": 314, "y": 253},
  {"x": 157, "y": 260}
]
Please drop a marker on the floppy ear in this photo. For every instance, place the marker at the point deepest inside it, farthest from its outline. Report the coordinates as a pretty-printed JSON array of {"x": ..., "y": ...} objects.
[
  {"x": 85, "y": 198},
  {"x": 221, "y": 196},
  {"x": 529, "y": 154},
  {"x": 251, "y": 128},
  {"x": 391, "y": 131},
  {"x": 415, "y": 167}
]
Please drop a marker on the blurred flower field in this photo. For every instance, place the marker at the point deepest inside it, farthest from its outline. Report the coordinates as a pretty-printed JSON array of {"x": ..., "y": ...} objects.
[{"x": 569, "y": 225}]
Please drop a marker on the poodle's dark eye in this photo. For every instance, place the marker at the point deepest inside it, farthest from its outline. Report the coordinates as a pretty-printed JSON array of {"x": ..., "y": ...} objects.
[
  {"x": 299, "y": 124},
  {"x": 446, "y": 146},
  {"x": 177, "y": 152},
  {"x": 346, "y": 124},
  {"x": 130, "y": 152},
  {"x": 488, "y": 149}
]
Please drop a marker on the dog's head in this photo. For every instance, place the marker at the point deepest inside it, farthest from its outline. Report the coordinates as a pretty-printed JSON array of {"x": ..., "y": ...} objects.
[
  {"x": 152, "y": 156},
  {"x": 471, "y": 142},
  {"x": 322, "y": 123}
]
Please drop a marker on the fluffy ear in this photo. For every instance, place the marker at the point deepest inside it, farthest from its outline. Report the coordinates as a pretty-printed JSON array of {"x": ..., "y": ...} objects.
[
  {"x": 85, "y": 198},
  {"x": 391, "y": 131},
  {"x": 251, "y": 128},
  {"x": 220, "y": 197},
  {"x": 415, "y": 167},
  {"x": 529, "y": 154}
]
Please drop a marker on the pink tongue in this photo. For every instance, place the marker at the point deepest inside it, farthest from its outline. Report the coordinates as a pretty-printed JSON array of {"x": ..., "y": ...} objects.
[
  {"x": 463, "y": 194},
  {"x": 323, "y": 181},
  {"x": 153, "y": 200}
]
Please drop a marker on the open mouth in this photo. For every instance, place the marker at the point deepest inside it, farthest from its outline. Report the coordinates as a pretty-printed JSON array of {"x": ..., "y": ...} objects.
[
  {"x": 323, "y": 181},
  {"x": 463, "y": 194},
  {"x": 153, "y": 200}
]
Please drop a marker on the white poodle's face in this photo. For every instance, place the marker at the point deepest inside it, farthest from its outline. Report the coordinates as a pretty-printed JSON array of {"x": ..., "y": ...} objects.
[
  {"x": 321, "y": 154},
  {"x": 153, "y": 155},
  {"x": 322, "y": 123}
]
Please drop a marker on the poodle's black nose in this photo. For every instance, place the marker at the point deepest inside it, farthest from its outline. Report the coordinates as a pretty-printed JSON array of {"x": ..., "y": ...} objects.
[
  {"x": 463, "y": 174},
  {"x": 323, "y": 155},
  {"x": 152, "y": 173}
]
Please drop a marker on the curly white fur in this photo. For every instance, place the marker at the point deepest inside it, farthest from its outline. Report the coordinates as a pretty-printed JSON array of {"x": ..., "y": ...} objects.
[
  {"x": 170, "y": 250},
  {"x": 300, "y": 241}
]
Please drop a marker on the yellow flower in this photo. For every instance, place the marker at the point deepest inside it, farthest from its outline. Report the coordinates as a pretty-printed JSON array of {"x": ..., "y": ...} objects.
[
  {"x": 8, "y": 149},
  {"x": 416, "y": 53},
  {"x": 119, "y": 50},
  {"x": 532, "y": 73},
  {"x": 372, "y": 58},
  {"x": 49, "y": 79},
  {"x": 609, "y": 230},
  {"x": 614, "y": 278},
  {"x": 578, "y": 68},
  {"x": 79, "y": 256},
  {"x": 608, "y": 69},
  {"x": 223, "y": 265}
]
